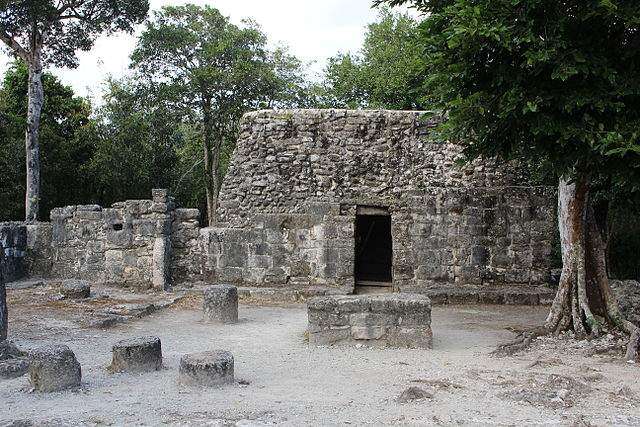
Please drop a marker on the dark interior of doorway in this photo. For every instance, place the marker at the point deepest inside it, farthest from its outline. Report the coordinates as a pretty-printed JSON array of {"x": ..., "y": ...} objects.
[{"x": 373, "y": 251}]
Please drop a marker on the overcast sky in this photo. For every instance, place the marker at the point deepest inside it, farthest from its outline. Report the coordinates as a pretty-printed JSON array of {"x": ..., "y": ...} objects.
[{"x": 313, "y": 29}]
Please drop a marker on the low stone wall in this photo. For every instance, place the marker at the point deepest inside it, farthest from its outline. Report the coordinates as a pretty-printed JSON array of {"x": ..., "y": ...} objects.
[
  {"x": 138, "y": 243},
  {"x": 13, "y": 250},
  {"x": 391, "y": 320}
]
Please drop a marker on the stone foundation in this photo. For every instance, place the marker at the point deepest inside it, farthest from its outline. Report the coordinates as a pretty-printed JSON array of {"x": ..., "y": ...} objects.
[
  {"x": 220, "y": 304},
  {"x": 13, "y": 250},
  {"x": 75, "y": 289},
  {"x": 392, "y": 320},
  {"x": 142, "y": 354}
]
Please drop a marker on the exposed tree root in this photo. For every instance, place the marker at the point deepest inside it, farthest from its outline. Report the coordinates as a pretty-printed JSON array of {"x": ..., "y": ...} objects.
[
  {"x": 584, "y": 301},
  {"x": 520, "y": 343}
]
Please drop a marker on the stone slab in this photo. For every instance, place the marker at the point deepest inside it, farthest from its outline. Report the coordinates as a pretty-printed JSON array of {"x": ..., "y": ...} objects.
[
  {"x": 380, "y": 320},
  {"x": 54, "y": 368}
]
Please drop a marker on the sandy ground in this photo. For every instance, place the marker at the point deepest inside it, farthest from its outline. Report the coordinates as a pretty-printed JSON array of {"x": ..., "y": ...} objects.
[{"x": 285, "y": 381}]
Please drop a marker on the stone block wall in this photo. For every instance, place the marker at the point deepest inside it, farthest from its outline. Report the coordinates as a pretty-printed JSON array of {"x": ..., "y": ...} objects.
[
  {"x": 387, "y": 320},
  {"x": 289, "y": 201},
  {"x": 13, "y": 247},
  {"x": 131, "y": 243},
  {"x": 288, "y": 250},
  {"x": 288, "y": 207}
]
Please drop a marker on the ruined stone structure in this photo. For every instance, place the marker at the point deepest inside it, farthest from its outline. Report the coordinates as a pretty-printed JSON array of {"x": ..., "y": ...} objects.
[
  {"x": 136, "y": 243},
  {"x": 334, "y": 199},
  {"x": 316, "y": 201},
  {"x": 13, "y": 244}
]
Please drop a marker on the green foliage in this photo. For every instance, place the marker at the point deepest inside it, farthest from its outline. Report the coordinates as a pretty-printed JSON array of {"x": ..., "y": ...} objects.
[
  {"x": 553, "y": 84},
  {"x": 211, "y": 72},
  {"x": 553, "y": 81},
  {"x": 64, "y": 27},
  {"x": 66, "y": 135},
  {"x": 199, "y": 55},
  {"x": 385, "y": 73},
  {"x": 136, "y": 148}
]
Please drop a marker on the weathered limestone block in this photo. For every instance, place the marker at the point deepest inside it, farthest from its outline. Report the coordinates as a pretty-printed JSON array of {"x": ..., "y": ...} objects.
[
  {"x": 9, "y": 350},
  {"x": 13, "y": 362},
  {"x": 54, "y": 368},
  {"x": 209, "y": 368},
  {"x": 142, "y": 354},
  {"x": 75, "y": 289},
  {"x": 13, "y": 368},
  {"x": 393, "y": 320},
  {"x": 221, "y": 304}
]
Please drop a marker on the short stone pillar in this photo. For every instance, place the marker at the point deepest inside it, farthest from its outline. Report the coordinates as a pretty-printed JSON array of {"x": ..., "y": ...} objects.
[
  {"x": 75, "y": 289},
  {"x": 380, "y": 320},
  {"x": 162, "y": 207},
  {"x": 209, "y": 368},
  {"x": 54, "y": 368},
  {"x": 221, "y": 304},
  {"x": 141, "y": 354}
]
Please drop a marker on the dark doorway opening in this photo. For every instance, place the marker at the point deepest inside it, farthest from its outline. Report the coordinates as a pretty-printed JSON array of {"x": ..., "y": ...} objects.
[{"x": 373, "y": 251}]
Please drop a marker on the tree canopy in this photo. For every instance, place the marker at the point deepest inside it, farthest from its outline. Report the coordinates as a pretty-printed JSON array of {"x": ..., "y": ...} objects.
[
  {"x": 555, "y": 84},
  {"x": 67, "y": 133},
  {"x": 385, "y": 73},
  {"x": 214, "y": 71},
  {"x": 555, "y": 81},
  {"x": 64, "y": 27}
]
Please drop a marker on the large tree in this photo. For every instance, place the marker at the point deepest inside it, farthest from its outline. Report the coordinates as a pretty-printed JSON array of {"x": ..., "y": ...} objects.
[
  {"x": 215, "y": 71},
  {"x": 555, "y": 83},
  {"x": 138, "y": 136},
  {"x": 49, "y": 32},
  {"x": 67, "y": 140},
  {"x": 385, "y": 73}
]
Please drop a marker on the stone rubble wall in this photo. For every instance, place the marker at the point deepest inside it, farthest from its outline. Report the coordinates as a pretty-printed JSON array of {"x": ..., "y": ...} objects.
[
  {"x": 13, "y": 246},
  {"x": 287, "y": 214},
  {"x": 289, "y": 200},
  {"x": 131, "y": 244}
]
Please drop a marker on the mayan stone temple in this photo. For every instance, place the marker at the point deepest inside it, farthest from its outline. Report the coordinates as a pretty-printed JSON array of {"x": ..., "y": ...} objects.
[
  {"x": 320, "y": 202},
  {"x": 354, "y": 201}
]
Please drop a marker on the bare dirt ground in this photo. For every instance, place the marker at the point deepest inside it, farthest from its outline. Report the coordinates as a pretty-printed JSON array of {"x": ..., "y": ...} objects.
[{"x": 282, "y": 380}]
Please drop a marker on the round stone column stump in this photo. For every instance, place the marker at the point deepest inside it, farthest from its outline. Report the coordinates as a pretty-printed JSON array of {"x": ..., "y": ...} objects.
[
  {"x": 75, "y": 289},
  {"x": 137, "y": 355},
  {"x": 221, "y": 304},
  {"x": 54, "y": 368},
  {"x": 210, "y": 368}
]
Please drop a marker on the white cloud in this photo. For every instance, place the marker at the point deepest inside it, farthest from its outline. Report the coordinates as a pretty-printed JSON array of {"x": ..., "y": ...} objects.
[{"x": 313, "y": 29}]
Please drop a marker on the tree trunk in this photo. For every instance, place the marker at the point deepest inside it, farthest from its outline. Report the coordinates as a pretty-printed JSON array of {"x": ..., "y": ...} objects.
[
  {"x": 4, "y": 318},
  {"x": 32, "y": 147},
  {"x": 211, "y": 162},
  {"x": 584, "y": 301}
]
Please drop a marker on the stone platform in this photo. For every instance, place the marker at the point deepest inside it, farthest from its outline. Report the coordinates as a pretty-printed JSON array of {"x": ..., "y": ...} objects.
[{"x": 381, "y": 320}]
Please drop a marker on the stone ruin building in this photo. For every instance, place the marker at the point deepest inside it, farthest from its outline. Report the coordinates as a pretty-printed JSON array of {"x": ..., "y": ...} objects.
[{"x": 317, "y": 202}]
